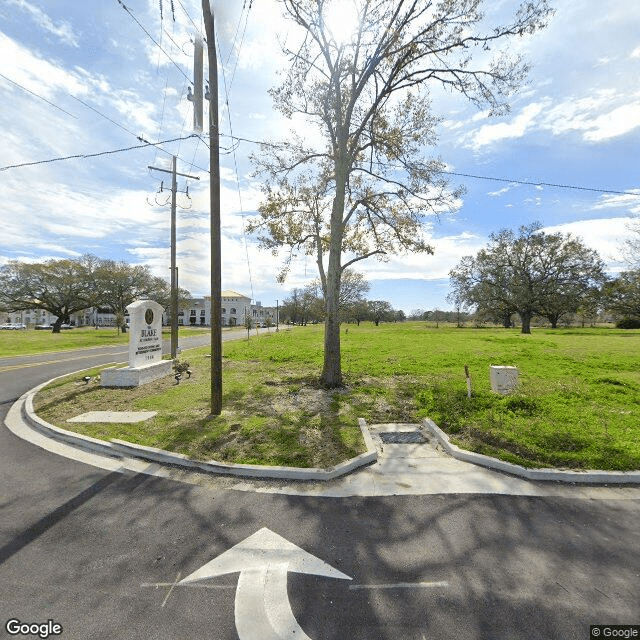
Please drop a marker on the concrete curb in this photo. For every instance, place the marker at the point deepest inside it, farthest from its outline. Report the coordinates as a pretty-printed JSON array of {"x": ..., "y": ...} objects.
[
  {"x": 119, "y": 449},
  {"x": 555, "y": 475}
]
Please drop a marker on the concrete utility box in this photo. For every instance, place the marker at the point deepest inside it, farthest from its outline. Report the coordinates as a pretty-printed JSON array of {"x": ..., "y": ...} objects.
[{"x": 503, "y": 379}]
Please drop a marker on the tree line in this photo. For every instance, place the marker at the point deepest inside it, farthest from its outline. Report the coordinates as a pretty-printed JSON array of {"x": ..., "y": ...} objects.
[
  {"x": 307, "y": 304},
  {"x": 68, "y": 286},
  {"x": 550, "y": 275}
]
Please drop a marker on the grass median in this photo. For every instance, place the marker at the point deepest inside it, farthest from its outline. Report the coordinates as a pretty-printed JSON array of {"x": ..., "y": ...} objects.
[
  {"x": 30, "y": 341},
  {"x": 577, "y": 404}
]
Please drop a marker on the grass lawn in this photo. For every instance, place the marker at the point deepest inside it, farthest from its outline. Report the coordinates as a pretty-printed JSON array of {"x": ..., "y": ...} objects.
[
  {"x": 28, "y": 342},
  {"x": 577, "y": 404}
]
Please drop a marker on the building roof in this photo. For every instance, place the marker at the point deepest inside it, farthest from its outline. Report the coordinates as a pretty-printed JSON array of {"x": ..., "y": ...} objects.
[{"x": 230, "y": 293}]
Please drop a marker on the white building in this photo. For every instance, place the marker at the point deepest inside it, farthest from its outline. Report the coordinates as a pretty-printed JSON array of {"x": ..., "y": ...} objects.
[{"x": 235, "y": 307}]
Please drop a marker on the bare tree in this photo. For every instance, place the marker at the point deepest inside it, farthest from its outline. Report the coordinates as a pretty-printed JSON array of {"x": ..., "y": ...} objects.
[
  {"x": 368, "y": 188},
  {"x": 631, "y": 247}
]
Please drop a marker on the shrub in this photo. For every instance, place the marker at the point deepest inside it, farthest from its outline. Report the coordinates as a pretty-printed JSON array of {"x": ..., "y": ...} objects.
[
  {"x": 181, "y": 366},
  {"x": 628, "y": 323}
]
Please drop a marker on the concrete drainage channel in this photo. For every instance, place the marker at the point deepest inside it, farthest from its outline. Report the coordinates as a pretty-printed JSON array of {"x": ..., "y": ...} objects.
[
  {"x": 402, "y": 437},
  {"x": 379, "y": 439}
]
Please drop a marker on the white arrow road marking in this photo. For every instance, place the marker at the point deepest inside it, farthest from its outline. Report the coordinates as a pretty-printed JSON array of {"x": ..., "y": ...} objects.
[{"x": 262, "y": 607}]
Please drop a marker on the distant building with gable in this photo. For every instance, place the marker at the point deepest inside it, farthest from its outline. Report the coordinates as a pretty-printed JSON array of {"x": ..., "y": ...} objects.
[{"x": 235, "y": 308}]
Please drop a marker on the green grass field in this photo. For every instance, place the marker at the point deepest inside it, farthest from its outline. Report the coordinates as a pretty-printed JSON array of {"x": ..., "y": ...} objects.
[
  {"x": 577, "y": 404},
  {"x": 18, "y": 343}
]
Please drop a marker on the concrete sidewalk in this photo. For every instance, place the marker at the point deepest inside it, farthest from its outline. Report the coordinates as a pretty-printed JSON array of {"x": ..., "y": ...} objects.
[{"x": 416, "y": 465}]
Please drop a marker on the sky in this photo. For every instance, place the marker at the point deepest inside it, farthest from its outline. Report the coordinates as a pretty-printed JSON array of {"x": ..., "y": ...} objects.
[{"x": 95, "y": 82}]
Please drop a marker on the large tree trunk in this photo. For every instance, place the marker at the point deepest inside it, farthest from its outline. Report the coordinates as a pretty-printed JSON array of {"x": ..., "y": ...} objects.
[
  {"x": 525, "y": 317},
  {"x": 332, "y": 369}
]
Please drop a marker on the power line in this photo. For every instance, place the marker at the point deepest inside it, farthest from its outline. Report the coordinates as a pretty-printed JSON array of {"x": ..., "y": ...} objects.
[
  {"x": 195, "y": 26},
  {"x": 540, "y": 184},
  {"x": 465, "y": 175},
  {"x": 95, "y": 155},
  {"x": 104, "y": 116},
  {"x": 33, "y": 93},
  {"x": 235, "y": 164},
  {"x": 175, "y": 64},
  {"x": 235, "y": 37}
]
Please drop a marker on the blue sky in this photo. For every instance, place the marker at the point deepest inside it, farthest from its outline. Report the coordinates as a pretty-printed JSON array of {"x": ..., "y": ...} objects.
[{"x": 82, "y": 78}]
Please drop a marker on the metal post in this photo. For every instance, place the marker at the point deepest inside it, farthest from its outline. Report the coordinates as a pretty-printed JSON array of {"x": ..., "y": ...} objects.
[{"x": 174, "y": 284}]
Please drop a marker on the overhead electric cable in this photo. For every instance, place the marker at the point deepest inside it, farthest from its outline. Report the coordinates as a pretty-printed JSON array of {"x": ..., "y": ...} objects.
[
  {"x": 121, "y": 126},
  {"x": 95, "y": 155},
  {"x": 465, "y": 175},
  {"x": 195, "y": 26},
  {"x": 541, "y": 184},
  {"x": 175, "y": 64},
  {"x": 244, "y": 31},
  {"x": 235, "y": 164},
  {"x": 33, "y": 93}
]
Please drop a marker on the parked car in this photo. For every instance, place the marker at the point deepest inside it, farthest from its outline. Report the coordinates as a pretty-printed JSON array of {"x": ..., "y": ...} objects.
[{"x": 13, "y": 326}]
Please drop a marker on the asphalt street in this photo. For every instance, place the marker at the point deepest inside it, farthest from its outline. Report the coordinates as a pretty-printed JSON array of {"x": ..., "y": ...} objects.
[{"x": 113, "y": 555}]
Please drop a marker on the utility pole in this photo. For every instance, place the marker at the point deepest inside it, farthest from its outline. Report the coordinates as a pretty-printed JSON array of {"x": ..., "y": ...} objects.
[
  {"x": 174, "y": 268},
  {"x": 214, "y": 193}
]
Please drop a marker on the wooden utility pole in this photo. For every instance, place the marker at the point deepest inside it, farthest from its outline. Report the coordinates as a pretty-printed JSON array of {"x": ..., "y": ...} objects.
[
  {"x": 214, "y": 193},
  {"x": 174, "y": 268}
]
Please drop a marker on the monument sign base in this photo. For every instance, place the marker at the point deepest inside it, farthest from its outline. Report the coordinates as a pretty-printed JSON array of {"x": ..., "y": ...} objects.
[
  {"x": 135, "y": 376},
  {"x": 145, "y": 349}
]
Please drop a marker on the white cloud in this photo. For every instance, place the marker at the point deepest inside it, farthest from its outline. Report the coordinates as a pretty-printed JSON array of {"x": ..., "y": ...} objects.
[
  {"x": 614, "y": 123},
  {"x": 604, "y": 115},
  {"x": 489, "y": 134},
  {"x": 500, "y": 192},
  {"x": 34, "y": 72},
  {"x": 605, "y": 235},
  {"x": 62, "y": 30},
  {"x": 629, "y": 201}
]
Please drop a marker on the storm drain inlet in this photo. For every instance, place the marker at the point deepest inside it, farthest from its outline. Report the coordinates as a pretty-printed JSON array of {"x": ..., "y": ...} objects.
[{"x": 402, "y": 437}]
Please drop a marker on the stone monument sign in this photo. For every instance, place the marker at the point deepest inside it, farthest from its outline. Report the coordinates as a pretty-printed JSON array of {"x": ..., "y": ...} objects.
[{"x": 145, "y": 348}]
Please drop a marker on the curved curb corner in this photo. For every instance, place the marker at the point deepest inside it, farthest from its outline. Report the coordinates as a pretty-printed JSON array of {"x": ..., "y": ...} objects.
[
  {"x": 555, "y": 475},
  {"x": 119, "y": 449}
]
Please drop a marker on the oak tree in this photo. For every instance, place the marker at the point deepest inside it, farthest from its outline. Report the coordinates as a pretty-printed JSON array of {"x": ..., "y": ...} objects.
[
  {"x": 61, "y": 287},
  {"x": 531, "y": 273}
]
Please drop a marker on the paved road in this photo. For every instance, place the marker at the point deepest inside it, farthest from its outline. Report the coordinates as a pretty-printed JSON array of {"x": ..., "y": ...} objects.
[{"x": 104, "y": 554}]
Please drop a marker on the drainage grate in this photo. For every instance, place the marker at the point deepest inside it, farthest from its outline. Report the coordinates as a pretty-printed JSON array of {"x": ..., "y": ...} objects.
[{"x": 402, "y": 437}]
